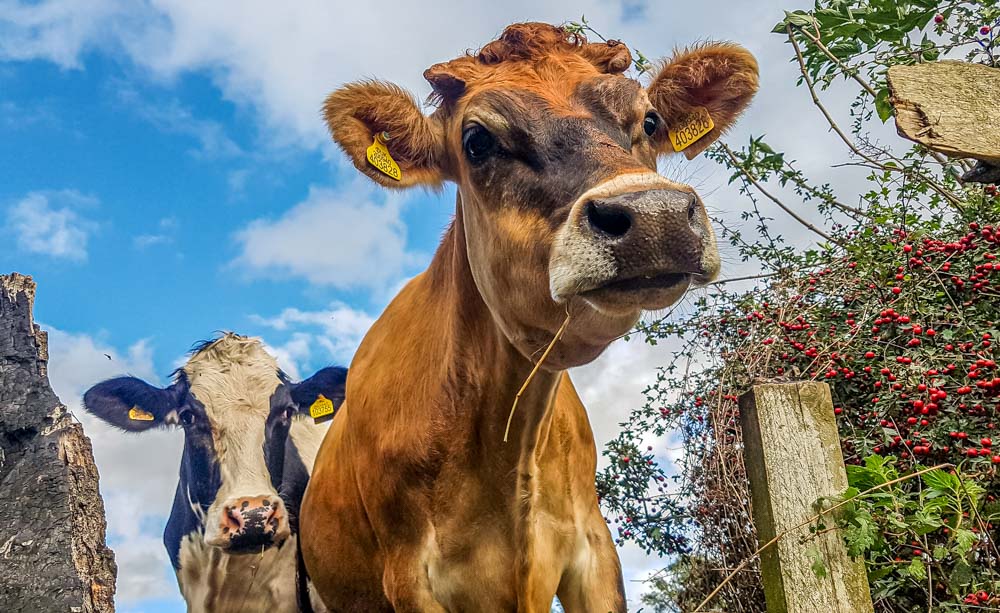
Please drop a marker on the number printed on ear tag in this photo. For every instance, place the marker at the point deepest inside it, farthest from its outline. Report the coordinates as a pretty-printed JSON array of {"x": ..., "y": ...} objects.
[
  {"x": 379, "y": 157},
  {"x": 690, "y": 128},
  {"x": 322, "y": 409}
]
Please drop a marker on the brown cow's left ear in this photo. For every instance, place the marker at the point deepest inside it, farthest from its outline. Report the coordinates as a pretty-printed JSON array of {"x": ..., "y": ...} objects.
[
  {"x": 359, "y": 112},
  {"x": 721, "y": 77}
]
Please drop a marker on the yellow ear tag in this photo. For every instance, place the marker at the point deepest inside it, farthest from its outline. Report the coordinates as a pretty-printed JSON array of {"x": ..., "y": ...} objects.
[
  {"x": 137, "y": 414},
  {"x": 378, "y": 156},
  {"x": 322, "y": 409},
  {"x": 690, "y": 128}
]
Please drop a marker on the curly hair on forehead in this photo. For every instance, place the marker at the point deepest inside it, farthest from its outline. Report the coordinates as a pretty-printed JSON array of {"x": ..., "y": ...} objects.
[
  {"x": 534, "y": 41},
  {"x": 528, "y": 43}
]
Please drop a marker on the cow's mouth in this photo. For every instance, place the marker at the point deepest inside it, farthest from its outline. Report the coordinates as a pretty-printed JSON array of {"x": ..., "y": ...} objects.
[
  {"x": 253, "y": 544},
  {"x": 643, "y": 292},
  {"x": 667, "y": 280}
]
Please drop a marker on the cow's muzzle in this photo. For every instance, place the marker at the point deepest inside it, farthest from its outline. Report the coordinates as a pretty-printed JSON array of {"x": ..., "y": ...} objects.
[
  {"x": 251, "y": 524},
  {"x": 635, "y": 249}
]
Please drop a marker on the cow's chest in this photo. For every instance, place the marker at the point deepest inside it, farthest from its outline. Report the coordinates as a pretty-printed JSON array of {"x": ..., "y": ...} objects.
[
  {"x": 217, "y": 582},
  {"x": 481, "y": 552}
]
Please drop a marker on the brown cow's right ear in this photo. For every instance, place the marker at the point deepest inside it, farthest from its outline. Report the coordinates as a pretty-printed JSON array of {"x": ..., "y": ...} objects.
[{"x": 358, "y": 112}]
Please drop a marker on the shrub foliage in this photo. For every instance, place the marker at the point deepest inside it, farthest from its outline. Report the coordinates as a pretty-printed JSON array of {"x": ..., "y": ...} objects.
[{"x": 897, "y": 307}]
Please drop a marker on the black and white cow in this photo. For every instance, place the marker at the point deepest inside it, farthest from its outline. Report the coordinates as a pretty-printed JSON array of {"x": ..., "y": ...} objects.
[{"x": 249, "y": 446}]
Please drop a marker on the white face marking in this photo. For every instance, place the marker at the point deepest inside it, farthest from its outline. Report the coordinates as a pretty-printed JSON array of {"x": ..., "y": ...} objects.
[
  {"x": 234, "y": 379},
  {"x": 307, "y": 436}
]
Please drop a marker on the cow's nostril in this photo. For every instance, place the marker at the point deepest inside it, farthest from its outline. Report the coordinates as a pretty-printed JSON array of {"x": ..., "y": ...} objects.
[
  {"x": 692, "y": 206},
  {"x": 609, "y": 219}
]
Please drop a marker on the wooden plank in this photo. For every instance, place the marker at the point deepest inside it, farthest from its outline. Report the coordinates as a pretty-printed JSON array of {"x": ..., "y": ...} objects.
[
  {"x": 793, "y": 458},
  {"x": 951, "y": 107}
]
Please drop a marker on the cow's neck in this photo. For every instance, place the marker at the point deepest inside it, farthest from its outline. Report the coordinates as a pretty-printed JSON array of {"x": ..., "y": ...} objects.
[{"x": 481, "y": 370}]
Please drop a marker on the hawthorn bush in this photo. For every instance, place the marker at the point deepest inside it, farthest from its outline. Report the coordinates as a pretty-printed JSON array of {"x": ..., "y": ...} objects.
[{"x": 897, "y": 308}]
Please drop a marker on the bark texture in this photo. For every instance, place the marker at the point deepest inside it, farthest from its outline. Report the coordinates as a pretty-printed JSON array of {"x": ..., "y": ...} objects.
[
  {"x": 53, "y": 555},
  {"x": 951, "y": 107},
  {"x": 793, "y": 459}
]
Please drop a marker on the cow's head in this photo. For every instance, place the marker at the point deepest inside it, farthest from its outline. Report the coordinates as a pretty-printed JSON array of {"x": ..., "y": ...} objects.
[
  {"x": 241, "y": 474},
  {"x": 554, "y": 152}
]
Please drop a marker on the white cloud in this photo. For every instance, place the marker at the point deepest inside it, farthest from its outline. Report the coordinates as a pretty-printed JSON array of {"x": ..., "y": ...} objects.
[
  {"x": 281, "y": 59},
  {"x": 317, "y": 337},
  {"x": 138, "y": 472},
  {"x": 57, "y": 30},
  {"x": 341, "y": 237},
  {"x": 42, "y": 227},
  {"x": 21, "y": 117},
  {"x": 163, "y": 235},
  {"x": 141, "y": 558},
  {"x": 172, "y": 117}
]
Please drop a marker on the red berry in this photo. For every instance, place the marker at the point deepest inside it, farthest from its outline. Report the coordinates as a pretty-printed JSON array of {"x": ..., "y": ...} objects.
[
  {"x": 984, "y": 30},
  {"x": 897, "y": 290}
]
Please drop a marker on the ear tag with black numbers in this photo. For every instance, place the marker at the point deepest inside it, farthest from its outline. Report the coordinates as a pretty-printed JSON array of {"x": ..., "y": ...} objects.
[
  {"x": 137, "y": 414},
  {"x": 691, "y": 128},
  {"x": 379, "y": 157},
  {"x": 321, "y": 410}
]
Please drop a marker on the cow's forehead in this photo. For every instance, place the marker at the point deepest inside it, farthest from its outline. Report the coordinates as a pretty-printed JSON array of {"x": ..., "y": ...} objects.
[
  {"x": 233, "y": 374},
  {"x": 530, "y": 106}
]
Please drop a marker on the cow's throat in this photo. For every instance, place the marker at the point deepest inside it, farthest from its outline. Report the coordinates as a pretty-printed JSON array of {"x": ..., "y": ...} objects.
[{"x": 213, "y": 581}]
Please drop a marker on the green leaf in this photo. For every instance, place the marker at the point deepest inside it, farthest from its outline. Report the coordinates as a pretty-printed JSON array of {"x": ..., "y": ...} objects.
[
  {"x": 818, "y": 565},
  {"x": 940, "y": 480},
  {"x": 860, "y": 534},
  {"x": 882, "y": 106},
  {"x": 874, "y": 574},
  {"x": 964, "y": 540},
  {"x": 917, "y": 570},
  {"x": 961, "y": 575}
]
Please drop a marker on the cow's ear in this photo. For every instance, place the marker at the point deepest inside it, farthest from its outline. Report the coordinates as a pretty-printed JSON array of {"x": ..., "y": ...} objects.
[
  {"x": 382, "y": 129},
  {"x": 132, "y": 404},
  {"x": 327, "y": 382},
  {"x": 721, "y": 78}
]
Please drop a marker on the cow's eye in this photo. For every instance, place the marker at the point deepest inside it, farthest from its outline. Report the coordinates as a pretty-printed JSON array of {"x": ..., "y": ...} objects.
[
  {"x": 187, "y": 417},
  {"x": 289, "y": 413},
  {"x": 478, "y": 143},
  {"x": 650, "y": 123}
]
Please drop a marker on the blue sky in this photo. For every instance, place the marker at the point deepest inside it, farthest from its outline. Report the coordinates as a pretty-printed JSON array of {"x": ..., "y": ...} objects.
[
  {"x": 164, "y": 174},
  {"x": 149, "y": 185}
]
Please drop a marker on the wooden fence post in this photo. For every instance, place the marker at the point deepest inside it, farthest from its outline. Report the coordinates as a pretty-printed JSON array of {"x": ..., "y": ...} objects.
[{"x": 793, "y": 458}]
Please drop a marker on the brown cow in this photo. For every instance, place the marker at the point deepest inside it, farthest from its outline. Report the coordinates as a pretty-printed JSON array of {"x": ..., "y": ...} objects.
[{"x": 416, "y": 502}]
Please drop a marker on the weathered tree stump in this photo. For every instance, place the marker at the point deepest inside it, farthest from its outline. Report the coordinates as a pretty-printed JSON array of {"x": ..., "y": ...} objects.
[
  {"x": 53, "y": 555},
  {"x": 950, "y": 107},
  {"x": 793, "y": 459}
]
